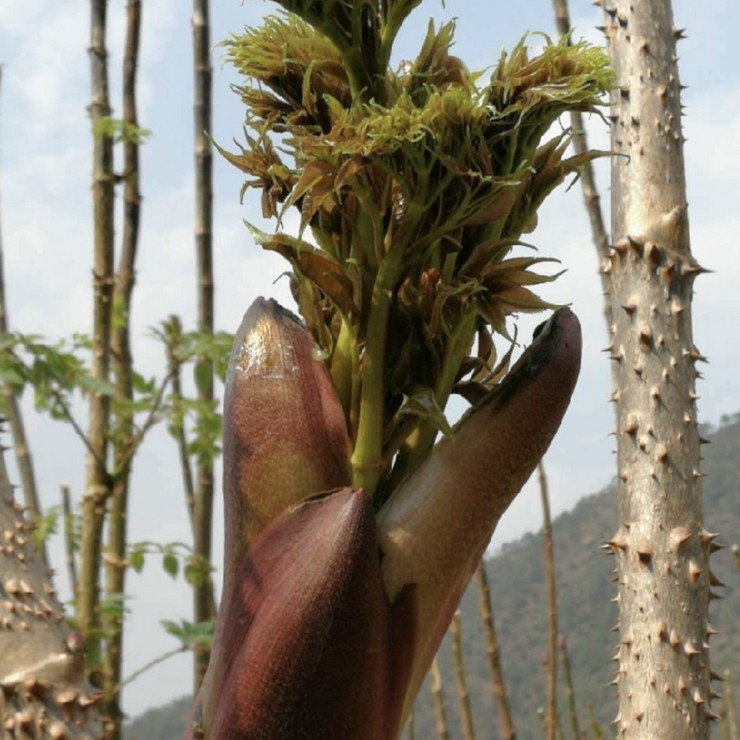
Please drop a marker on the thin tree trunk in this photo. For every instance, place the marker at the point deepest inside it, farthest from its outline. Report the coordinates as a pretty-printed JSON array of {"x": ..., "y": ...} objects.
[
  {"x": 730, "y": 704},
  {"x": 440, "y": 713},
  {"x": 122, "y": 363},
  {"x": 494, "y": 656},
  {"x": 15, "y": 415},
  {"x": 203, "y": 508},
  {"x": 98, "y": 484},
  {"x": 70, "y": 552},
  {"x": 570, "y": 693},
  {"x": 552, "y": 609},
  {"x": 172, "y": 334},
  {"x": 466, "y": 715},
  {"x": 591, "y": 197},
  {"x": 663, "y": 674}
]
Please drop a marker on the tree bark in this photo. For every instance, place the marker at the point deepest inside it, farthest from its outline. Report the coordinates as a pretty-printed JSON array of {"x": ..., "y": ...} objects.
[
  {"x": 663, "y": 675},
  {"x": 203, "y": 606},
  {"x": 98, "y": 484},
  {"x": 42, "y": 663}
]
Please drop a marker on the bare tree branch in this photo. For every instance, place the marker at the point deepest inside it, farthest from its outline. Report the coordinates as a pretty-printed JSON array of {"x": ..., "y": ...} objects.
[
  {"x": 98, "y": 483},
  {"x": 591, "y": 197},
  {"x": 494, "y": 655},
  {"x": 466, "y": 714},
  {"x": 552, "y": 608},
  {"x": 69, "y": 539},
  {"x": 122, "y": 365},
  {"x": 569, "y": 691},
  {"x": 440, "y": 714}
]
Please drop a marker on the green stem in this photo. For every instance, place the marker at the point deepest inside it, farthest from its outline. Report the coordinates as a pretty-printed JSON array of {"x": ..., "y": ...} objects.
[
  {"x": 421, "y": 440},
  {"x": 367, "y": 457},
  {"x": 342, "y": 364}
]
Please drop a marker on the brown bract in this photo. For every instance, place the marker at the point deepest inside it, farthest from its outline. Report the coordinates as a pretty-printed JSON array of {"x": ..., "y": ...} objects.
[
  {"x": 437, "y": 525},
  {"x": 332, "y": 614},
  {"x": 285, "y": 436},
  {"x": 303, "y": 648}
]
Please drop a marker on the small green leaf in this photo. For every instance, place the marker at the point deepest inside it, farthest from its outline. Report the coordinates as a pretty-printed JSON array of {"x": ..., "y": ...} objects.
[
  {"x": 424, "y": 405},
  {"x": 190, "y": 634},
  {"x": 172, "y": 628},
  {"x": 170, "y": 564},
  {"x": 136, "y": 560},
  {"x": 203, "y": 373}
]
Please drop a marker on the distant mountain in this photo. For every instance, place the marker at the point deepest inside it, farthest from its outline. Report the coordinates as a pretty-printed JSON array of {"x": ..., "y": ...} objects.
[
  {"x": 163, "y": 723},
  {"x": 586, "y": 615}
]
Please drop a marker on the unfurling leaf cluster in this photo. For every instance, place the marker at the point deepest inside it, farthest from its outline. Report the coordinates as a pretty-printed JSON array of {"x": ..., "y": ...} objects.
[{"x": 413, "y": 187}]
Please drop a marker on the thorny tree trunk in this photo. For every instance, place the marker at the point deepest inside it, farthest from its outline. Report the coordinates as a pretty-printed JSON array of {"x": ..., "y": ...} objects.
[
  {"x": 15, "y": 416},
  {"x": 98, "y": 483},
  {"x": 203, "y": 505},
  {"x": 123, "y": 433},
  {"x": 42, "y": 664},
  {"x": 663, "y": 675}
]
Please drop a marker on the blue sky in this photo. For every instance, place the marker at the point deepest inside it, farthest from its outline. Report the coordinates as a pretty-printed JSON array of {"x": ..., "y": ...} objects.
[{"x": 45, "y": 180}]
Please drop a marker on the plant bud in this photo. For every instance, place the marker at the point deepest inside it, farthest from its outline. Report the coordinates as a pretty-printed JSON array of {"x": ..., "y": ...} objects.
[
  {"x": 436, "y": 526},
  {"x": 303, "y": 648},
  {"x": 285, "y": 435}
]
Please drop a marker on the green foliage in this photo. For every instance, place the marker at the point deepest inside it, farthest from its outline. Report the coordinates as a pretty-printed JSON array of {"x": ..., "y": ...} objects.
[
  {"x": 204, "y": 346},
  {"x": 113, "y": 607},
  {"x": 174, "y": 557},
  {"x": 54, "y": 371},
  {"x": 120, "y": 130},
  {"x": 191, "y": 635},
  {"x": 415, "y": 185},
  {"x": 202, "y": 418},
  {"x": 46, "y": 525}
]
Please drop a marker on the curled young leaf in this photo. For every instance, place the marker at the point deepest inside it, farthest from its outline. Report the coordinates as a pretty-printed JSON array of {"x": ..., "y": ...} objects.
[
  {"x": 303, "y": 643},
  {"x": 437, "y": 524},
  {"x": 285, "y": 436}
]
